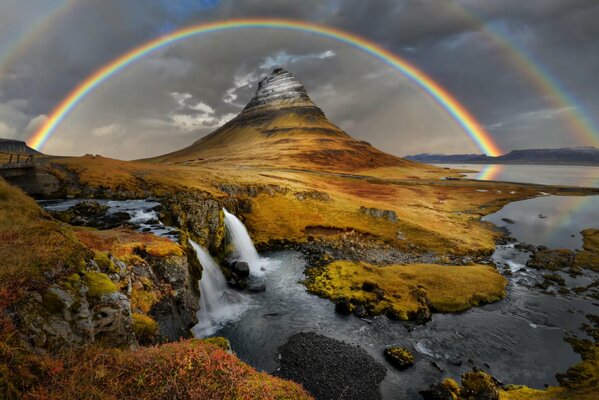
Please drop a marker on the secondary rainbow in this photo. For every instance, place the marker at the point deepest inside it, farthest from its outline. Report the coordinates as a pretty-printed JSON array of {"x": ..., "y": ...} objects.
[{"x": 482, "y": 139}]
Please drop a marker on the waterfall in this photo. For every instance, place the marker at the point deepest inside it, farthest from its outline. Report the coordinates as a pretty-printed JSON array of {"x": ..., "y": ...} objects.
[
  {"x": 243, "y": 243},
  {"x": 218, "y": 303}
]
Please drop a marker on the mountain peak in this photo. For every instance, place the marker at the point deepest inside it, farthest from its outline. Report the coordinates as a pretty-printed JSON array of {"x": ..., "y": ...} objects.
[{"x": 279, "y": 90}]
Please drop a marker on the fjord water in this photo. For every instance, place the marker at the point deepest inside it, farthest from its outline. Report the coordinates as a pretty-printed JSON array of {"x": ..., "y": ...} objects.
[
  {"x": 552, "y": 221},
  {"x": 567, "y": 175},
  {"x": 219, "y": 304}
]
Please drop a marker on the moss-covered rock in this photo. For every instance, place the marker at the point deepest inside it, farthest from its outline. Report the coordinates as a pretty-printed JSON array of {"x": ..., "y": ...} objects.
[
  {"x": 98, "y": 284},
  {"x": 400, "y": 357},
  {"x": 478, "y": 385},
  {"x": 145, "y": 328}
]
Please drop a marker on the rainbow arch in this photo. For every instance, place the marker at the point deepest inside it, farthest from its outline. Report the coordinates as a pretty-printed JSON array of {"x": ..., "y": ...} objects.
[{"x": 459, "y": 113}]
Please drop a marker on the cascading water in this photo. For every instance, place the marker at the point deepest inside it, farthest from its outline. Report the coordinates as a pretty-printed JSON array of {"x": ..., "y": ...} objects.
[
  {"x": 243, "y": 243},
  {"x": 218, "y": 303}
]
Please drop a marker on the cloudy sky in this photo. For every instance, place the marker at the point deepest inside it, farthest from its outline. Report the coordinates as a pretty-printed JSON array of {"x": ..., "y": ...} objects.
[{"x": 172, "y": 97}]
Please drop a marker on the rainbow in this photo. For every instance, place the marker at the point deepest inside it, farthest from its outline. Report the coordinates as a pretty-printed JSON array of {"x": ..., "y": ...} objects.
[
  {"x": 576, "y": 117},
  {"x": 474, "y": 130}
]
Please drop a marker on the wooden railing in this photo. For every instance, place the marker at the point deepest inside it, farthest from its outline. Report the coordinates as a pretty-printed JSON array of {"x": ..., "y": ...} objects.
[{"x": 18, "y": 160}]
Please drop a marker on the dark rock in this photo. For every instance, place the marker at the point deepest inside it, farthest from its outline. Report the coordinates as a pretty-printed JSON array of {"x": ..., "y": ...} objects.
[
  {"x": 369, "y": 286},
  {"x": 241, "y": 269},
  {"x": 256, "y": 287},
  {"x": 507, "y": 220},
  {"x": 343, "y": 306},
  {"x": 330, "y": 369},
  {"x": 360, "y": 311},
  {"x": 447, "y": 390},
  {"x": 400, "y": 357}
]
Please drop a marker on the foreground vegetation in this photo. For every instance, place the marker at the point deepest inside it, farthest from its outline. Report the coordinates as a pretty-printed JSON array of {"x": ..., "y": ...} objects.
[{"x": 37, "y": 252}]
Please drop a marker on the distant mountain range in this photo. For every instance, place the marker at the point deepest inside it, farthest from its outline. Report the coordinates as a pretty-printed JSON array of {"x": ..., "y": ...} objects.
[
  {"x": 16, "y": 147},
  {"x": 587, "y": 155}
]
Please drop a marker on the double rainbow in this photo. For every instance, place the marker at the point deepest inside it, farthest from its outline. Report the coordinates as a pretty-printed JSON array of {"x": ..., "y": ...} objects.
[{"x": 479, "y": 136}]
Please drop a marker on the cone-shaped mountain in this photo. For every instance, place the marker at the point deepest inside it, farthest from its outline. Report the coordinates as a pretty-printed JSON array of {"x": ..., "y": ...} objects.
[{"x": 282, "y": 127}]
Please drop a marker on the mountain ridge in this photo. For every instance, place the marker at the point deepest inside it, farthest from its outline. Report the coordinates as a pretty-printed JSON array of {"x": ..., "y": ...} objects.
[{"x": 581, "y": 155}]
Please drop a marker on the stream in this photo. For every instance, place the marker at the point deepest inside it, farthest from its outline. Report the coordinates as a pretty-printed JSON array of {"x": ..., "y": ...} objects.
[{"x": 518, "y": 340}]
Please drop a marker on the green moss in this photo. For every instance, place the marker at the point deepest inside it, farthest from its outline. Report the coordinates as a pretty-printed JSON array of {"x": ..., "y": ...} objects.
[
  {"x": 103, "y": 260},
  {"x": 478, "y": 385},
  {"x": 399, "y": 357},
  {"x": 219, "y": 341},
  {"x": 99, "y": 284},
  {"x": 144, "y": 327}
]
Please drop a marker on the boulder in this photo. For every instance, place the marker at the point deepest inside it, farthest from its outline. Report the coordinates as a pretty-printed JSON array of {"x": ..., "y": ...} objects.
[
  {"x": 478, "y": 385},
  {"x": 400, "y": 357},
  {"x": 343, "y": 306},
  {"x": 446, "y": 390},
  {"x": 240, "y": 268}
]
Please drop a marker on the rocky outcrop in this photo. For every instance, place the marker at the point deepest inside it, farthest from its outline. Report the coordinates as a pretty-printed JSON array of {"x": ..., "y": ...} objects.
[
  {"x": 280, "y": 90},
  {"x": 147, "y": 299},
  {"x": 91, "y": 214},
  {"x": 389, "y": 215},
  {"x": 400, "y": 357},
  {"x": 82, "y": 309}
]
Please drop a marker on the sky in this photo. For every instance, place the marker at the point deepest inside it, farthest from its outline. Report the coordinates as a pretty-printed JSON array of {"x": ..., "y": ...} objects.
[{"x": 173, "y": 97}]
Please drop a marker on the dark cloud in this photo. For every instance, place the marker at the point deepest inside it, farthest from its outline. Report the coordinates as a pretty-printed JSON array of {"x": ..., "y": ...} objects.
[{"x": 450, "y": 40}]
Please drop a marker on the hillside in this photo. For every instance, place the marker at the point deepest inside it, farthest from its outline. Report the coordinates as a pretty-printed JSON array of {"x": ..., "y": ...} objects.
[{"x": 587, "y": 155}]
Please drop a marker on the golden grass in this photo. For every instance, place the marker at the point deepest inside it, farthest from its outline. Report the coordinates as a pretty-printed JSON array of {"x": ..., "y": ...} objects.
[
  {"x": 448, "y": 288},
  {"x": 589, "y": 256},
  {"x": 31, "y": 243},
  {"x": 125, "y": 243}
]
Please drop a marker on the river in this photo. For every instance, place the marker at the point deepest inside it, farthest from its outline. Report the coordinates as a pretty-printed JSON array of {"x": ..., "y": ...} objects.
[{"x": 519, "y": 339}]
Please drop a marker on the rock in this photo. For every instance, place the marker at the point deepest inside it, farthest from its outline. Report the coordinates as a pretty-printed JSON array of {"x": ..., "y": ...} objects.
[
  {"x": 400, "y": 357},
  {"x": 389, "y": 215},
  {"x": 552, "y": 260},
  {"x": 369, "y": 286},
  {"x": 446, "y": 390},
  {"x": 360, "y": 311},
  {"x": 330, "y": 369},
  {"x": 508, "y": 221},
  {"x": 256, "y": 287},
  {"x": 479, "y": 385},
  {"x": 313, "y": 195},
  {"x": 241, "y": 269},
  {"x": 343, "y": 306}
]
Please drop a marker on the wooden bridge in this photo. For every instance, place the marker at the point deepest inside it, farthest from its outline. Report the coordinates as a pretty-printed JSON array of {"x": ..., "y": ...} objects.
[{"x": 17, "y": 161}]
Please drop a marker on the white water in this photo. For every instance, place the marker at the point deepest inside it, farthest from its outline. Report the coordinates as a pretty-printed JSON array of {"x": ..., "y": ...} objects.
[
  {"x": 218, "y": 303},
  {"x": 243, "y": 244}
]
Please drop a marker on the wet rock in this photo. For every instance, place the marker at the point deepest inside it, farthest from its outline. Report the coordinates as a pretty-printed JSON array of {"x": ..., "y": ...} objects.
[
  {"x": 508, "y": 221},
  {"x": 525, "y": 247},
  {"x": 400, "y": 357},
  {"x": 553, "y": 260},
  {"x": 478, "y": 385},
  {"x": 360, "y": 311},
  {"x": 240, "y": 268},
  {"x": 256, "y": 287},
  {"x": 343, "y": 306},
  {"x": 92, "y": 214},
  {"x": 446, "y": 390},
  {"x": 330, "y": 369}
]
